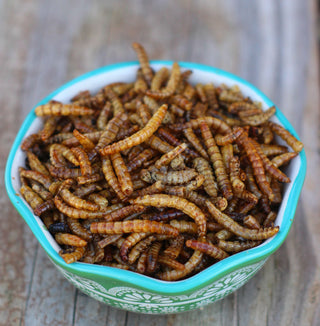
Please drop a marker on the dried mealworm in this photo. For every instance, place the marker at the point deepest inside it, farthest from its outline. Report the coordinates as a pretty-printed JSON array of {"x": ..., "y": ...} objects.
[
  {"x": 82, "y": 157},
  {"x": 111, "y": 177},
  {"x": 216, "y": 159},
  {"x": 144, "y": 62},
  {"x": 58, "y": 109},
  {"x": 170, "y": 177},
  {"x": 77, "y": 228},
  {"x": 140, "y": 136},
  {"x": 185, "y": 226},
  {"x": 189, "y": 266},
  {"x": 171, "y": 86},
  {"x": 168, "y": 157},
  {"x": 237, "y": 246},
  {"x": 175, "y": 247},
  {"x": 251, "y": 222},
  {"x": 237, "y": 229},
  {"x": 111, "y": 130},
  {"x": 237, "y": 185},
  {"x": 159, "y": 79},
  {"x": 168, "y": 261},
  {"x": 70, "y": 240},
  {"x": 86, "y": 143},
  {"x": 74, "y": 212},
  {"x": 211, "y": 96},
  {"x": 175, "y": 202},
  {"x": 122, "y": 173},
  {"x": 31, "y": 197},
  {"x": 77, "y": 254},
  {"x": 207, "y": 248},
  {"x": 292, "y": 141},
  {"x": 123, "y": 212},
  {"x": 274, "y": 171},
  {"x": 256, "y": 163},
  {"x": 141, "y": 158},
  {"x": 44, "y": 179},
  {"x": 203, "y": 167},
  {"x": 195, "y": 142},
  {"x": 153, "y": 254},
  {"x": 35, "y": 163},
  {"x": 132, "y": 226},
  {"x": 283, "y": 159}
]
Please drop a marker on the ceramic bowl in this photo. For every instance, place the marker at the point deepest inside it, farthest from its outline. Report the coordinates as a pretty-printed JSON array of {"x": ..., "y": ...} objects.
[{"x": 131, "y": 291}]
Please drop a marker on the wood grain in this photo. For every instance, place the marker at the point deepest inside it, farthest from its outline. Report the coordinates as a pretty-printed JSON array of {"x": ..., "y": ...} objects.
[{"x": 270, "y": 43}]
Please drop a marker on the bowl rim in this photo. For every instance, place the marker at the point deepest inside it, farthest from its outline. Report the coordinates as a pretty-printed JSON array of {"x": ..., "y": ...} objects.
[{"x": 206, "y": 276}]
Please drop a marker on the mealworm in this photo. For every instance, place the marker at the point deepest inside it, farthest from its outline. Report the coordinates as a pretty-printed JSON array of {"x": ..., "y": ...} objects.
[
  {"x": 141, "y": 158},
  {"x": 292, "y": 141},
  {"x": 86, "y": 143},
  {"x": 168, "y": 261},
  {"x": 237, "y": 246},
  {"x": 77, "y": 228},
  {"x": 168, "y": 157},
  {"x": 207, "y": 248},
  {"x": 132, "y": 226},
  {"x": 185, "y": 226},
  {"x": 251, "y": 222},
  {"x": 182, "y": 102},
  {"x": 237, "y": 185},
  {"x": 170, "y": 178},
  {"x": 77, "y": 254},
  {"x": 153, "y": 254},
  {"x": 195, "y": 142},
  {"x": 140, "y": 136},
  {"x": 144, "y": 62},
  {"x": 59, "y": 109},
  {"x": 274, "y": 171},
  {"x": 189, "y": 266},
  {"x": 210, "y": 92},
  {"x": 171, "y": 86},
  {"x": 74, "y": 212},
  {"x": 256, "y": 163},
  {"x": 122, "y": 173},
  {"x": 48, "y": 128},
  {"x": 175, "y": 247},
  {"x": 159, "y": 79},
  {"x": 237, "y": 229},
  {"x": 216, "y": 159},
  {"x": 44, "y": 179},
  {"x": 283, "y": 159},
  {"x": 82, "y": 157},
  {"x": 109, "y": 239},
  {"x": 203, "y": 167},
  {"x": 111, "y": 177},
  {"x": 111, "y": 130},
  {"x": 123, "y": 212},
  {"x": 32, "y": 198},
  {"x": 70, "y": 240},
  {"x": 160, "y": 200},
  {"x": 140, "y": 85}
]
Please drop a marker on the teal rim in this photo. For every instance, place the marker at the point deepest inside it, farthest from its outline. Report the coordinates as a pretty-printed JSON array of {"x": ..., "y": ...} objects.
[{"x": 201, "y": 279}]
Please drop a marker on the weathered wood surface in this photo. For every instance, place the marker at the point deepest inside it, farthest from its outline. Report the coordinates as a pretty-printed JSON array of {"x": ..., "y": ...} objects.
[{"x": 270, "y": 43}]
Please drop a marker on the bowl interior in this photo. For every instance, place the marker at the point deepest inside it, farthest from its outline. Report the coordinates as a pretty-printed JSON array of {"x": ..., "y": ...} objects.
[{"x": 126, "y": 72}]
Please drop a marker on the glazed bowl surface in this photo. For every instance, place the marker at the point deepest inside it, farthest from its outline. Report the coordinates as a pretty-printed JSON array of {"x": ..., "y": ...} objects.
[{"x": 131, "y": 291}]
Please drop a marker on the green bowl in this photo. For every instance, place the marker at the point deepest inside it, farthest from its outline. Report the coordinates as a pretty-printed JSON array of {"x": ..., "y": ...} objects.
[{"x": 131, "y": 291}]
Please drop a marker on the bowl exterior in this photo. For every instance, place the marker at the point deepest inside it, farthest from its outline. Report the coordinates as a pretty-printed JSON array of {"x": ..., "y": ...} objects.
[
  {"x": 133, "y": 298},
  {"x": 132, "y": 291}
]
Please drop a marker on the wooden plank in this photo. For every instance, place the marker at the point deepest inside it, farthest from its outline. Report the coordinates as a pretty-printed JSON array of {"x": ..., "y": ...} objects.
[{"x": 18, "y": 244}]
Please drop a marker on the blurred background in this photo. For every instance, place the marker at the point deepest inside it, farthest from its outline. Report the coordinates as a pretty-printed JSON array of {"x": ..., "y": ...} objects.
[{"x": 272, "y": 44}]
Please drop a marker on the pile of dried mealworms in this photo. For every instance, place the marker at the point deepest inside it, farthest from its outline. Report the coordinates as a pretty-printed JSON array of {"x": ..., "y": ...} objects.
[{"x": 156, "y": 176}]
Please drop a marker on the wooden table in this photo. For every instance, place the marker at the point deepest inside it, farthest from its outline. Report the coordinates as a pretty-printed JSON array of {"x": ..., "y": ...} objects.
[{"x": 272, "y": 44}]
